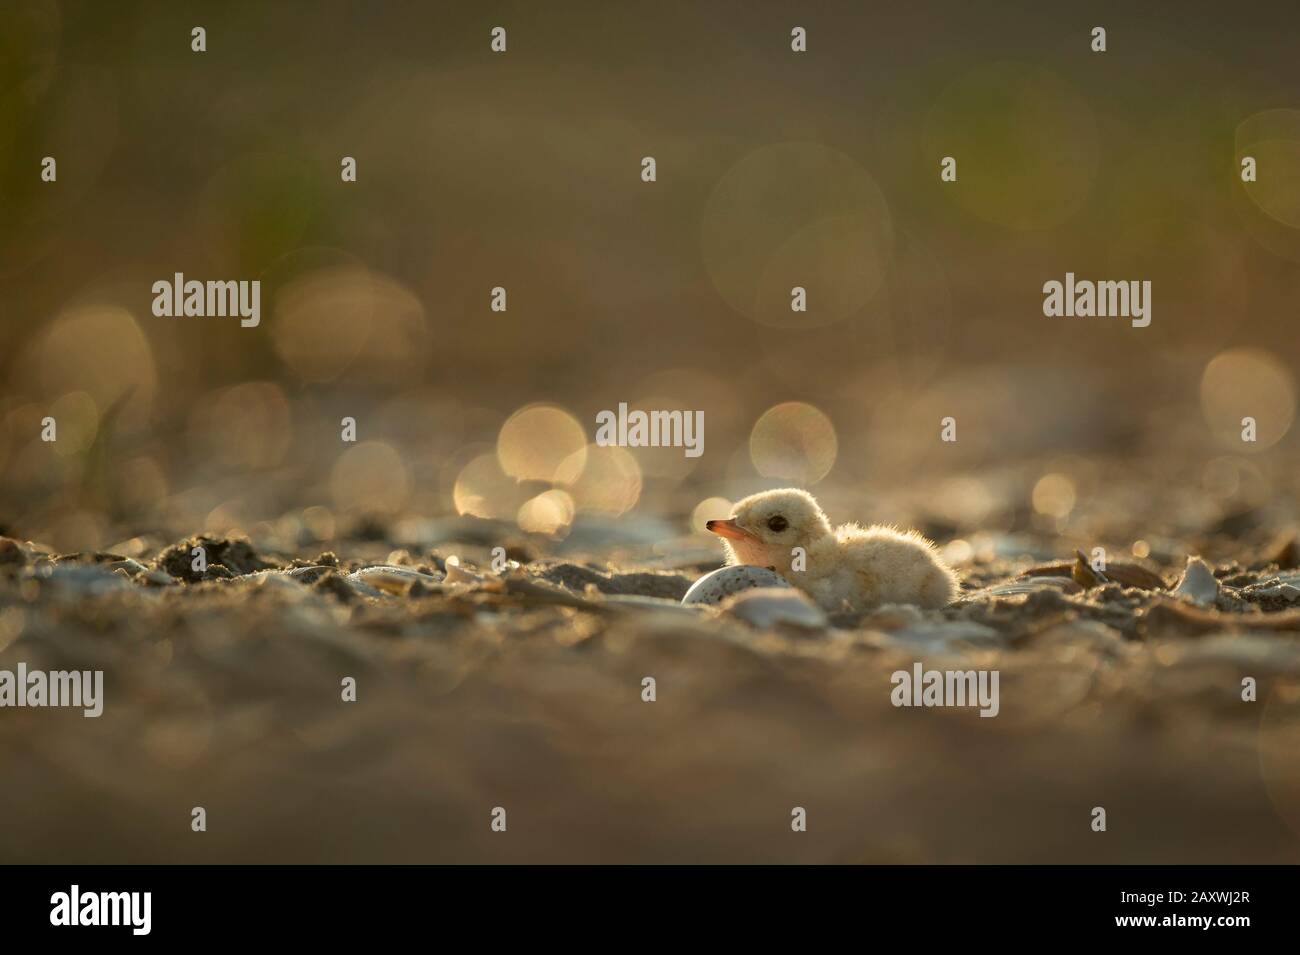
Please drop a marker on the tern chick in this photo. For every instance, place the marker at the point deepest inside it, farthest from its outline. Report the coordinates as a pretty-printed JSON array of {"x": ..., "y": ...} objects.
[{"x": 848, "y": 566}]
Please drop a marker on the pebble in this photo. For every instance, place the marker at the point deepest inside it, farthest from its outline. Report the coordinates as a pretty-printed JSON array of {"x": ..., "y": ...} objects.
[
  {"x": 1264, "y": 653},
  {"x": 641, "y": 583},
  {"x": 768, "y": 607},
  {"x": 73, "y": 580},
  {"x": 642, "y": 606},
  {"x": 948, "y": 636}
]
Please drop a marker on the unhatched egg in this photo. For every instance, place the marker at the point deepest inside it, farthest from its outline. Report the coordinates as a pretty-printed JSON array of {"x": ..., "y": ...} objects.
[{"x": 712, "y": 588}]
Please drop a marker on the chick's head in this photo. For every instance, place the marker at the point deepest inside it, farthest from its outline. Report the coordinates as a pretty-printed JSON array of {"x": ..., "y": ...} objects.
[{"x": 765, "y": 528}]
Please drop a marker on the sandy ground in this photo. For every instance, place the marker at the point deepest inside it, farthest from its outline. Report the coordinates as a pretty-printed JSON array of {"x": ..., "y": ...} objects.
[{"x": 524, "y": 691}]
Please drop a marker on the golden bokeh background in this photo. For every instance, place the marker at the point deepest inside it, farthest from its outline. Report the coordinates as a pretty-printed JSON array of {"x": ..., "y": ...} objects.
[{"x": 522, "y": 171}]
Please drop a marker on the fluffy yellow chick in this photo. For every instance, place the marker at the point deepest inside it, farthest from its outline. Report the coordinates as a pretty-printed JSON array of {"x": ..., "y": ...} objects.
[{"x": 848, "y": 566}]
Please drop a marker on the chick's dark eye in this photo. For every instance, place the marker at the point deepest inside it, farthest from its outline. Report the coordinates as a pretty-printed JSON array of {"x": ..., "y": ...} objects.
[{"x": 777, "y": 523}]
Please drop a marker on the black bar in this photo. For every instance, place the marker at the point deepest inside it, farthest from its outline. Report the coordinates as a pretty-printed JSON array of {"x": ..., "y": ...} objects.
[{"x": 334, "y": 904}]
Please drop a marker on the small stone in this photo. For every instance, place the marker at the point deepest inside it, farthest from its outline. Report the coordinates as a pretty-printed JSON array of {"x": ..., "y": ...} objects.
[
  {"x": 645, "y": 584},
  {"x": 768, "y": 607},
  {"x": 78, "y": 580},
  {"x": 948, "y": 636},
  {"x": 226, "y": 557}
]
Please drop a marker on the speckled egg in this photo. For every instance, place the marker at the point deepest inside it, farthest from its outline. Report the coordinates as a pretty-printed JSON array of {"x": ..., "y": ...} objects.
[{"x": 712, "y": 588}]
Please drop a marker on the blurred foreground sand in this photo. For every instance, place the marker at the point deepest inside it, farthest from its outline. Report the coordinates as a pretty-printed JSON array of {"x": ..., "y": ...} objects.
[{"x": 224, "y": 693}]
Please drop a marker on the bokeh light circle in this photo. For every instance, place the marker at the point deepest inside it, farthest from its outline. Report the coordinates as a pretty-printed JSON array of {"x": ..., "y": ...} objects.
[
  {"x": 1054, "y": 495},
  {"x": 793, "y": 441},
  {"x": 1248, "y": 382},
  {"x": 370, "y": 479},
  {"x": 1272, "y": 139},
  {"x": 482, "y": 489},
  {"x": 536, "y": 440},
  {"x": 547, "y": 513},
  {"x": 602, "y": 480},
  {"x": 98, "y": 349},
  {"x": 347, "y": 318}
]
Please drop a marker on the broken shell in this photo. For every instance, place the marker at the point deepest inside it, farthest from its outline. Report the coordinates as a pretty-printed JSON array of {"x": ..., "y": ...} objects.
[
  {"x": 1013, "y": 588},
  {"x": 1084, "y": 574},
  {"x": 767, "y": 607},
  {"x": 1135, "y": 575},
  {"x": 712, "y": 588},
  {"x": 389, "y": 579},
  {"x": 1198, "y": 584},
  {"x": 456, "y": 573},
  {"x": 1284, "y": 588},
  {"x": 1124, "y": 572}
]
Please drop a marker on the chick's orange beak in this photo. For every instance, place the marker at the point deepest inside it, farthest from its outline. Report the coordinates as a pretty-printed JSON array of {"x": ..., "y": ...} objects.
[{"x": 730, "y": 529}]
